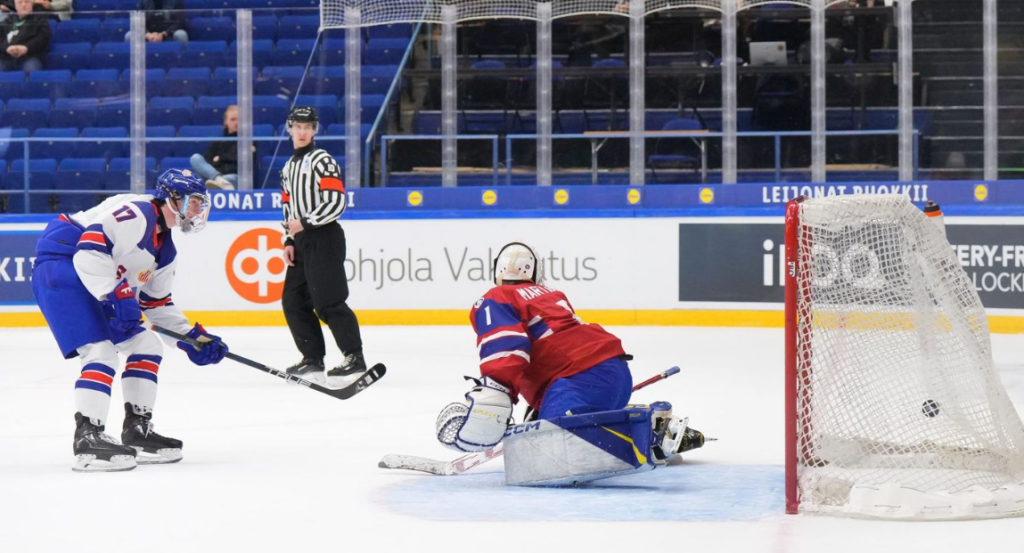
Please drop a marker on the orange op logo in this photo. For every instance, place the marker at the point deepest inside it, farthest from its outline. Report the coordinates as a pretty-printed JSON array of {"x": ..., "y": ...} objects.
[{"x": 255, "y": 265}]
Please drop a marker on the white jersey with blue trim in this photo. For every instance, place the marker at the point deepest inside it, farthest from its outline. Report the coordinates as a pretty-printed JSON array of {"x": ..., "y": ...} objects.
[{"x": 121, "y": 238}]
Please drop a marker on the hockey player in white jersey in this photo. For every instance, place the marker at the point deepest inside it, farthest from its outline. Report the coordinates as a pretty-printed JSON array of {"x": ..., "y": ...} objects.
[{"x": 96, "y": 272}]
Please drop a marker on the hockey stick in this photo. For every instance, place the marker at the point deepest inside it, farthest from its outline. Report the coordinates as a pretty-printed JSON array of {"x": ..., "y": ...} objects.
[
  {"x": 470, "y": 460},
  {"x": 374, "y": 374}
]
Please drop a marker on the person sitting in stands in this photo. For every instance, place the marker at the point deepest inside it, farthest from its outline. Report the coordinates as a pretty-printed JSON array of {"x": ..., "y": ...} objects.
[{"x": 25, "y": 39}]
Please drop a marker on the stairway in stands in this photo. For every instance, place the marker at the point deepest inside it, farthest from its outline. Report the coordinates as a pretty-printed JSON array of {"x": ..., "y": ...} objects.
[{"x": 948, "y": 42}]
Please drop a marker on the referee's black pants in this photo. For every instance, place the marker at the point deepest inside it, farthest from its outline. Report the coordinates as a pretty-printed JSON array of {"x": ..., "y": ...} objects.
[{"x": 316, "y": 286}]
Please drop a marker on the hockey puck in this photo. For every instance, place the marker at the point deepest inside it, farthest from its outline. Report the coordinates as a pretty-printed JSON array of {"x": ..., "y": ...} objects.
[{"x": 930, "y": 408}]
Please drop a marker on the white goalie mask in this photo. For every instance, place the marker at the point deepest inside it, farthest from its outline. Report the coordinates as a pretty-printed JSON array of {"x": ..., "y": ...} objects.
[{"x": 516, "y": 262}]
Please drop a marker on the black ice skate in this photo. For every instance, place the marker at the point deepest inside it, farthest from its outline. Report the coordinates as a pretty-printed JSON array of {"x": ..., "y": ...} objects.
[
  {"x": 151, "y": 448},
  {"x": 675, "y": 438},
  {"x": 352, "y": 364},
  {"x": 98, "y": 452},
  {"x": 306, "y": 366}
]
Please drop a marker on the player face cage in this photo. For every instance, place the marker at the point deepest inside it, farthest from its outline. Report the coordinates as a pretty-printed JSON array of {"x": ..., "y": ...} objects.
[
  {"x": 186, "y": 195},
  {"x": 302, "y": 114},
  {"x": 516, "y": 262}
]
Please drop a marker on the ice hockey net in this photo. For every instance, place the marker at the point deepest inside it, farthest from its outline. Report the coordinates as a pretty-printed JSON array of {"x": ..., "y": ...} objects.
[{"x": 894, "y": 406}]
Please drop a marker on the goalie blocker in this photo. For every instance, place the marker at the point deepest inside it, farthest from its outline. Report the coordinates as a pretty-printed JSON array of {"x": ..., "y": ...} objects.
[{"x": 581, "y": 448}]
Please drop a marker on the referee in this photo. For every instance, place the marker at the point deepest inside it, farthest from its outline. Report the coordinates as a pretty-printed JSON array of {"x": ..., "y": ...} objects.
[{"x": 315, "y": 286}]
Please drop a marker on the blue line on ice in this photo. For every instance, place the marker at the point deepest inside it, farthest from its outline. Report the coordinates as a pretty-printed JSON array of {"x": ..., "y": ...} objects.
[{"x": 675, "y": 493}]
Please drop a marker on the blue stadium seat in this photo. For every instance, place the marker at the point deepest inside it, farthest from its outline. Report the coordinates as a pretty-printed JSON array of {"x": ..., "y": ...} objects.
[
  {"x": 103, "y": 148},
  {"x": 332, "y": 51},
  {"x": 110, "y": 54},
  {"x": 385, "y": 51},
  {"x": 187, "y": 81},
  {"x": 69, "y": 55},
  {"x": 163, "y": 54},
  {"x": 40, "y": 176},
  {"x": 210, "y": 109},
  {"x": 114, "y": 29},
  {"x": 292, "y": 51},
  {"x": 325, "y": 80},
  {"x": 115, "y": 113},
  {"x": 395, "y": 30},
  {"x": 376, "y": 79},
  {"x": 230, "y": 4},
  {"x": 27, "y": 113},
  {"x": 197, "y": 131},
  {"x": 11, "y": 149},
  {"x": 154, "y": 82},
  {"x": 270, "y": 170},
  {"x": 77, "y": 30},
  {"x": 371, "y": 105},
  {"x": 211, "y": 28},
  {"x": 224, "y": 82},
  {"x": 11, "y": 83},
  {"x": 81, "y": 174},
  {"x": 99, "y": 5},
  {"x": 119, "y": 177},
  {"x": 94, "y": 83},
  {"x": 175, "y": 163},
  {"x": 264, "y": 27},
  {"x": 262, "y": 51},
  {"x": 263, "y": 130},
  {"x": 213, "y": 53},
  {"x": 279, "y": 80},
  {"x": 194, "y": 5},
  {"x": 160, "y": 149},
  {"x": 74, "y": 112},
  {"x": 58, "y": 150},
  {"x": 170, "y": 110},
  {"x": 270, "y": 110},
  {"x": 326, "y": 106},
  {"x": 298, "y": 26},
  {"x": 47, "y": 83}
]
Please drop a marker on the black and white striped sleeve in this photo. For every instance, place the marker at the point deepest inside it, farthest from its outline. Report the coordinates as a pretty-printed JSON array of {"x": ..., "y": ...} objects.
[{"x": 328, "y": 184}]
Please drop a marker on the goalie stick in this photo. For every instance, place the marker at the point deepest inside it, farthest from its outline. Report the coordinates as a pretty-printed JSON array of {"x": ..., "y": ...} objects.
[
  {"x": 374, "y": 374},
  {"x": 477, "y": 458}
]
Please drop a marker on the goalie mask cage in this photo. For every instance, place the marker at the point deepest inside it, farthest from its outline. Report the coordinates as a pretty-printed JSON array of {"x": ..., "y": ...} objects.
[{"x": 894, "y": 407}]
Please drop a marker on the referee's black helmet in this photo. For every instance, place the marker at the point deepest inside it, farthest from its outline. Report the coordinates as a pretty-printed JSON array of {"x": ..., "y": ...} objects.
[{"x": 303, "y": 114}]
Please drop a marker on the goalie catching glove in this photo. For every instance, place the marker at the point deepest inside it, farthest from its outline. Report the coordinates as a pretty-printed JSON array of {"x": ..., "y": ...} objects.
[{"x": 479, "y": 423}]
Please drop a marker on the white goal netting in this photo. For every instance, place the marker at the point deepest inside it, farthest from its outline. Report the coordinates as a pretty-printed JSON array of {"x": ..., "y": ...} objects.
[
  {"x": 900, "y": 409},
  {"x": 379, "y": 12}
]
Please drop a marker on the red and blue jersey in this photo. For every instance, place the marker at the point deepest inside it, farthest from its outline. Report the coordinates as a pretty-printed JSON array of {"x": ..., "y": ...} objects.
[{"x": 528, "y": 336}]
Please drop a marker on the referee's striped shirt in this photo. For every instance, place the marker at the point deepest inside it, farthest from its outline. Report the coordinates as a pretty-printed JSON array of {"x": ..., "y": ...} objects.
[{"x": 311, "y": 188}]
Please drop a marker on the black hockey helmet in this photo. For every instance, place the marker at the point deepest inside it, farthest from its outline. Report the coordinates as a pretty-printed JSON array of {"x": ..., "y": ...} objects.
[{"x": 303, "y": 114}]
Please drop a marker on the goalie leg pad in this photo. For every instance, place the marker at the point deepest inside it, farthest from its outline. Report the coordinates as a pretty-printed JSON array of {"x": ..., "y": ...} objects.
[{"x": 581, "y": 448}]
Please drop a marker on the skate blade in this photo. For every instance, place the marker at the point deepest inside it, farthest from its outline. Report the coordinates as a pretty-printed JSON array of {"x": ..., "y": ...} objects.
[
  {"x": 337, "y": 382},
  {"x": 117, "y": 463},
  {"x": 161, "y": 457}
]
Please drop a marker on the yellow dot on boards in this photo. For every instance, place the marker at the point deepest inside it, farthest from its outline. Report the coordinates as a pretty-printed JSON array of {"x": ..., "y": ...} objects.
[
  {"x": 981, "y": 192},
  {"x": 561, "y": 196},
  {"x": 415, "y": 198},
  {"x": 707, "y": 195},
  {"x": 490, "y": 197},
  {"x": 633, "y": 197}
]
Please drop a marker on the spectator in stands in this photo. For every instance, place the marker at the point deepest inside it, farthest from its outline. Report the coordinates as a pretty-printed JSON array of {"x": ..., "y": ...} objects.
[
  {"x": 164, "y": 21},
  {"x": 25, "y": 39},
  {"x": 60, "y": 9},
  {"x": 220, "y": 164}
]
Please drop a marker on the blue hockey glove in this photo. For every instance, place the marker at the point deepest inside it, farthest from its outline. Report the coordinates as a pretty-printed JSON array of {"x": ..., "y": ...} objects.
[
  {"x": 123, "y": 312},
  {"x": 213, "y": 349}
]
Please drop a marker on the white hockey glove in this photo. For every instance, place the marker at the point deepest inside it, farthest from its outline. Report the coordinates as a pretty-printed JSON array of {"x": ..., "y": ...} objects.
[{"x": 479, "y": 423}]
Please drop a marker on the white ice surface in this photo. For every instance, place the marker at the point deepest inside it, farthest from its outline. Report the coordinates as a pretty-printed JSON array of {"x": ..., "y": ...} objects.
[{"x": 273, "y": 467}]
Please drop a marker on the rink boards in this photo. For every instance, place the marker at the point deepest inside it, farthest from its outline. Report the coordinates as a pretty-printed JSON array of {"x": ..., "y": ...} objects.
[{"x": 616, "y": 267}]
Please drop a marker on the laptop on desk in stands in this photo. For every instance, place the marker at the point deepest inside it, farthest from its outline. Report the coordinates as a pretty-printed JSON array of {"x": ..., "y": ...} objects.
[{"x": 768, "y": 53}]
